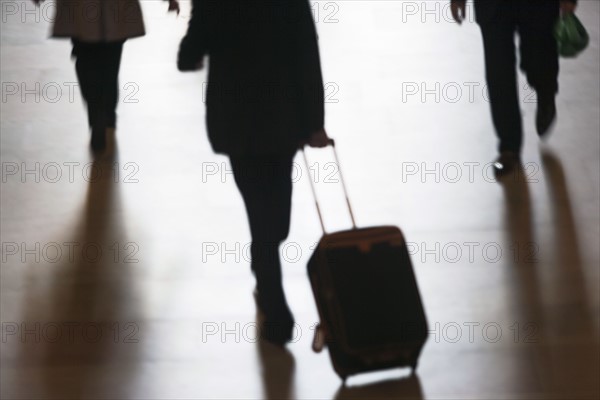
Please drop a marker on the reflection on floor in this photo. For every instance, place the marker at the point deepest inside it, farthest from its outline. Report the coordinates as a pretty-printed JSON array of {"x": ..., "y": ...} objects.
[{"x": 128, "y": 276}]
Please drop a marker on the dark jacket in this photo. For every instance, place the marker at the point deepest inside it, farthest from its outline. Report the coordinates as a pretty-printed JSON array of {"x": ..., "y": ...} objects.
[
  {"x": 265, "y": 88},
  {"x": 98, "y": 20},
  {"x": 485, "y": 10}
]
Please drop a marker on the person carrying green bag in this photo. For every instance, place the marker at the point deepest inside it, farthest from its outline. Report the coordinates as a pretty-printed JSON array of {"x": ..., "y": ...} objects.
[{"x": 535, "y": 22}]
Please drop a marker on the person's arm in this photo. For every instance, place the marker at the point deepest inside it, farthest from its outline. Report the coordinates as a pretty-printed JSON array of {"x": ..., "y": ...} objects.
[
  {"x": 312, "y": 82},
  {"x": 459, "y": 9},
  {"x": 174, "y": 6},
  {"x": 194, "y": 45}
]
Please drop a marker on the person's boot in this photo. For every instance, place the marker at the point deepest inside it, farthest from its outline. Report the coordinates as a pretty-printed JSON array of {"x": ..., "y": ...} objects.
[
  {"x": 111, "y": 120},
  {"x": 506, "y": 163},
  {"x": 276, "y": 322},
  {"x": 278, "y": 331},
  {"x": 98, "y": 142},
  {"x": 97, "y": 117},
  {"x": 546, "y": 114}
]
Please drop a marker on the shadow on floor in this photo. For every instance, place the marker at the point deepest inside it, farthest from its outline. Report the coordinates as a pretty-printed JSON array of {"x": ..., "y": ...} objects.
[
  {"x": 403, "y": 388},
  {"x": 277, "y": 371},
  {"x": 549, "y": 290},
  {"x": 86, "y": 303}
]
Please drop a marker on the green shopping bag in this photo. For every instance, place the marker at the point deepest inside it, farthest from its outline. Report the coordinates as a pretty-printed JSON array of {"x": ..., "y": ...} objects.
[{"x": 571, "y": 36}]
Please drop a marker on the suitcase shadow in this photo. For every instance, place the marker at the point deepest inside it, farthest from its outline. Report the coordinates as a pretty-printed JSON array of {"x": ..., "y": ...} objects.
[{"x": 402, "y": 388}]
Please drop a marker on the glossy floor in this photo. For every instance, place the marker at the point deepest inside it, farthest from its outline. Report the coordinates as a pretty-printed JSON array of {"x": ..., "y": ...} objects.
[{"x": 128, "y": 277}]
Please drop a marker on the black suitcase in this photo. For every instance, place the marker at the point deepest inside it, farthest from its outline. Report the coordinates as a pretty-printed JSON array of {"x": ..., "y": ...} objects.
[{"x": 371, "y": 314}]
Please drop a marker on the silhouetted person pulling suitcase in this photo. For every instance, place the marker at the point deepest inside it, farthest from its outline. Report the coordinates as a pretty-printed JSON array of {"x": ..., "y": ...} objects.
[{"x": 264, "y": 98}]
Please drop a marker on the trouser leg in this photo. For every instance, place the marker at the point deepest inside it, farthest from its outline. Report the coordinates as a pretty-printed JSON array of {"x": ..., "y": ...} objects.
[
  {"x": 113, "y": 53},
  {"x": 97, "y": 66},
  {"x": 500, "y": 64},
  {"x": 266, "y": 187},
  {"x": 539, "y": 52},
  {"x": 89, "y": 74}
]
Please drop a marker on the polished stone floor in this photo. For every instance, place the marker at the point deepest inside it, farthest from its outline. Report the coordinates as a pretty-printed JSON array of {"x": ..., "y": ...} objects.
[{"x": 128, "y": 276}]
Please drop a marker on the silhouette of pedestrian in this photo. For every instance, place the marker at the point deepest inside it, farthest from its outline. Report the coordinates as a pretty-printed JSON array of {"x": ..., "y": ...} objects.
[
  {"x": 534, "y": 20},
  {"x": 264, "y": 98},
  {"x": 98, "y": 30}
]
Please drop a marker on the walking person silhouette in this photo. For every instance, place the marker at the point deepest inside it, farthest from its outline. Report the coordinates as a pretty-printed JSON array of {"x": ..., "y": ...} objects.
[
  {"x": 534, "y": 20},
  {"x": 264, "y": 99},
  {"x": 98, "y": 29}
]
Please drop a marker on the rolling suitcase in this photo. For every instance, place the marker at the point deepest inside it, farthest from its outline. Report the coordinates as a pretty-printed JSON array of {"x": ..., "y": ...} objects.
[{"x": 370, "y": 310}]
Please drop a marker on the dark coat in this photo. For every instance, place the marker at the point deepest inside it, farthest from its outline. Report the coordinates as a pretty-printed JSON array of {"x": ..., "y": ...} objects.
[
  {"x": 265, "y": 88},
  {"x": 98, "y": 20},
  {"x": 486, "y": 10}
]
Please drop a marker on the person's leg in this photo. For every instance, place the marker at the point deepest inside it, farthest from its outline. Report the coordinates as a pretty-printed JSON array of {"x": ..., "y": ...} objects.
[
  {"x": 89, "y": 68},
  {"x": 87, "y": 71},
  {"x": 112, "y": 63},
  {"x": 499, "y": 46},
  {"x": 266, "y": 187},
  {"x": 539, "y": 55}
]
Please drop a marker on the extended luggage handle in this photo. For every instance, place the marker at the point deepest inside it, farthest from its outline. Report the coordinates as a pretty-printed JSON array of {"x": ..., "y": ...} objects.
[{"x": 331, "y": 143}]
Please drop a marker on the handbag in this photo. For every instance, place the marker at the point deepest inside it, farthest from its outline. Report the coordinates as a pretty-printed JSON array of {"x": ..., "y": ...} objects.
[{"x": 571, "y": 36}]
